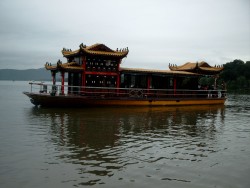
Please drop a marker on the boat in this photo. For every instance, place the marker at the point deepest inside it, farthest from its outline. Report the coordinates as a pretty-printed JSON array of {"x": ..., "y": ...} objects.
[{"x": 93, "y": 76}]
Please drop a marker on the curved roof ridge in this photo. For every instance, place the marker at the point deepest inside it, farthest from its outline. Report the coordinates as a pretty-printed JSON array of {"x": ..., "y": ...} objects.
[
  {"x": 199, "y": 67},
  {"x": 93, "y": 46},
  {"x": 96, "y": 49}
]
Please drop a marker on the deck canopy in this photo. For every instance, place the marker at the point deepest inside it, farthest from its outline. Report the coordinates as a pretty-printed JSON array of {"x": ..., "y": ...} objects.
[
  {"x": 99, "y": 66},
  {"x": 156, "y": 71},
  {"x": 96, "y": 50},
  {"x": 199, "y": 67}
]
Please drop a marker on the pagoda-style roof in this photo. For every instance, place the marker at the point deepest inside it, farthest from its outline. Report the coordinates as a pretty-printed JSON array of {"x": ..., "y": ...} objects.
[
  {"x": 70, "y": 66},
  {"x": 199, "y": 67},
  {"x": 157, "y": 71},
  {"x": 96, "y": 49}
]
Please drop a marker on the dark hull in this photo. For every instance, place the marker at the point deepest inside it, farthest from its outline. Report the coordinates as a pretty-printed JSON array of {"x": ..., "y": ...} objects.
[{"x": 84, "y": 101}]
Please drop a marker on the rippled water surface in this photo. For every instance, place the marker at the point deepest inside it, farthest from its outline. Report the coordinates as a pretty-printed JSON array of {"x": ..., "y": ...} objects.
[{"x": 200, "y": 146}]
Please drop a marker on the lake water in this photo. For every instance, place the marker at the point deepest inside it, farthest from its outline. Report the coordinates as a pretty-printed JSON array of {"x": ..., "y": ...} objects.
[{"x": 201, "y": 146}]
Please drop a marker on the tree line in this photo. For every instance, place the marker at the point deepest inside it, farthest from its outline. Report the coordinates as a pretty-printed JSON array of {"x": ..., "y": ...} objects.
[{"x": 236, "y": 75}]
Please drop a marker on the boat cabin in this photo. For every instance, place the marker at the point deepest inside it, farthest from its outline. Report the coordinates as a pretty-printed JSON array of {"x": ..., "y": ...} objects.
[{"x": 99, "y": 66}]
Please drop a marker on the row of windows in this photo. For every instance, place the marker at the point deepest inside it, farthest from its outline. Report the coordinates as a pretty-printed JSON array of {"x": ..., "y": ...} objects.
[
  {"x": 107, "y": 64},
  {"x": 100, "y": 60},
  {"x": 93, "y": 64},
  {"x": 134, "y": 81},
  {"x": 102, "y": 69},
  {"x": 93, "y": 60},
  {"x": 101, "y": 65},
  {"x": 101, "y": 81}
]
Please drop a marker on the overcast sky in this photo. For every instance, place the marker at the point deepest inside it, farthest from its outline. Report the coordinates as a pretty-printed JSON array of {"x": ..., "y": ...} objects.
[{"x": 157, "y": 32}]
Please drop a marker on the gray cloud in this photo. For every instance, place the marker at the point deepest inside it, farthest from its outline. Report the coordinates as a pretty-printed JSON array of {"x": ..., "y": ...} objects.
[{"x": 157, "y": 32}]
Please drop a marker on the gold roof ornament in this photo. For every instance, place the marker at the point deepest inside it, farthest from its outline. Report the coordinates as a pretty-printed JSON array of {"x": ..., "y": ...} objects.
[
  {"x": 96, "y": 49},
  {"x": 198, "y": 67},
  {"x": 72, "y": 66}
]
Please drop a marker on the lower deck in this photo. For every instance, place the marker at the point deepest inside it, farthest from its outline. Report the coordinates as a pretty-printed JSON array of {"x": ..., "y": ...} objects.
[{"x": 50, "y": 95}]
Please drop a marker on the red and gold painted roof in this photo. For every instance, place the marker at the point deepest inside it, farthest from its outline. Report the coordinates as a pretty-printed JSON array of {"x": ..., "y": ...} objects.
[
  {"x": 199, "y": 67},
  {"x": 102, "y": 50},
  {"x": 71, "y": 66},
  {"x": 96, "y": 49},
  {"x": 138, "y": 70}
]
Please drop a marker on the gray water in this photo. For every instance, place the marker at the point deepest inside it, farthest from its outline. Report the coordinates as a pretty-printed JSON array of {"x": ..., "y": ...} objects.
[{"x": 201, "y": 146}]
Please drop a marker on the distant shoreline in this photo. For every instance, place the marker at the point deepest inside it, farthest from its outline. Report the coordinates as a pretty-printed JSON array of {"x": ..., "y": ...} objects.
[{"x": 25, "y": 75}]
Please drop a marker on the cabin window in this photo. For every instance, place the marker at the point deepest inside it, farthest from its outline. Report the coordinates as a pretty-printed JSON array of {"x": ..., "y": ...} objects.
[
  {"x": 122, "y": 79},
  {"x": 78, "y": 60},
  {"x": 108, "y": 63},
  {"x": 133, "y": 81},
  {"x": 171, "y": 82},
  {"x": 74, "y": 79},
  {"x": 188, "y": 83},
  {"x": 160, "y": 82}
]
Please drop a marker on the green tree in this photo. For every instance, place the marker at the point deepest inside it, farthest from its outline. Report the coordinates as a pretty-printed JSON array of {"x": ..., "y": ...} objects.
[
  {"x": 236, "y": 74},
  {"x": 241, "y": 82},
  {"x": 203, "y": 81}
]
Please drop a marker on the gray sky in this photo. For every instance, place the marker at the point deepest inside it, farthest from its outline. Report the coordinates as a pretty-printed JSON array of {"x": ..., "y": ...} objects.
[{"x": 157, "y": 32}]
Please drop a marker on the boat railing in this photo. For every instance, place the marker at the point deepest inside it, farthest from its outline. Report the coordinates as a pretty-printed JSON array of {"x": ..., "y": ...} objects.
[{"x": 113, "y": 92}]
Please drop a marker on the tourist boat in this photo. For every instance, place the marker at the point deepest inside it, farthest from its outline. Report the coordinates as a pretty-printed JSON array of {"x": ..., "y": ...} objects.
[{"x": 93, "y": 76}]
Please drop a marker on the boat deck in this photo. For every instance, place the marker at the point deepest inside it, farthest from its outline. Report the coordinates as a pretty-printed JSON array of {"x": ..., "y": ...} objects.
[{"x": 58, "y": 95}]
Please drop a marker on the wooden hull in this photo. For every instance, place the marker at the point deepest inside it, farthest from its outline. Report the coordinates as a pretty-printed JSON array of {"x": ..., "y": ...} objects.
[{"x": 82, "y": 101}]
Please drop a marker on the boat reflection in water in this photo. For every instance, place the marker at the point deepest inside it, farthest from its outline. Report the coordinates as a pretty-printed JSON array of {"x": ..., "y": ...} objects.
[{"x": 115, "y": 145}]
